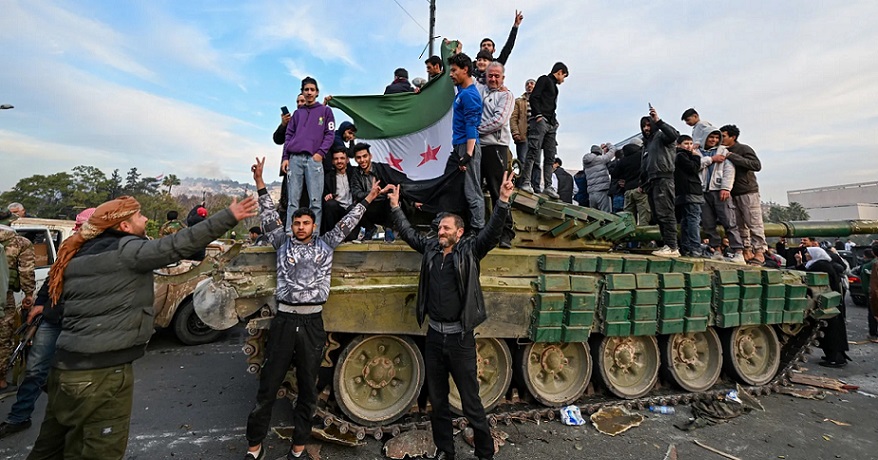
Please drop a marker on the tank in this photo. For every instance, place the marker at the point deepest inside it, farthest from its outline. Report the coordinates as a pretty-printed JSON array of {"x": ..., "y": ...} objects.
[{"x": 570, "y": 321}]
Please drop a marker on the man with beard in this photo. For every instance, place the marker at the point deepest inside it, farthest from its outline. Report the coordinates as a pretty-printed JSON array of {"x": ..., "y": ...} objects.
[
  {"x": 103, "y": 276},
  {"x": 337, "y": 195},
  {"x": 658, "y": 165},
  {"x": 488, "y": 45},
  {"x": 449, "y": 293},
  {"x": 296, "y": 336}
]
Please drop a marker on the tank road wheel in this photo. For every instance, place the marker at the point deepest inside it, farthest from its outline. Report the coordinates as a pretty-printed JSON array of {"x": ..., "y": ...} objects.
[
  {"x": 494, "y": 371},
  {"x": 628, "y": 365},
  {"x": 751, "y": 354},
  {"x": 693, "y": 361},
  {"x": 556, "y": 374},
  {"x": 377, "y": 378}
]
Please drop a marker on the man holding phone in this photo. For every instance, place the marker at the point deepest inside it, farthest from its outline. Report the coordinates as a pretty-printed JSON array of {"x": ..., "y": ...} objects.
[{"x": 309, "y": 135}]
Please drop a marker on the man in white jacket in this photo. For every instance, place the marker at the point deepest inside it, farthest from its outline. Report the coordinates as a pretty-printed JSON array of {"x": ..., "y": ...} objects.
[
  {"x": 494, "y": 137},
  {"x": 717, "y": 178}
]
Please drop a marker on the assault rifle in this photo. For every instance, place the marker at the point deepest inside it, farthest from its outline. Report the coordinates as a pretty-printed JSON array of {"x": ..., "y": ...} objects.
[{"x": 27, "y": 331}]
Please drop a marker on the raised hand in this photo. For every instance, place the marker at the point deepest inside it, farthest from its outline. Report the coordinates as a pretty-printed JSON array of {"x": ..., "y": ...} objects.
[
  {"x": 518, "y": 18},
  {"x": 393, "y": 196},
  {"x": 375, "y": 190},
  {"x": 244, "y": 208},
  {"x": 506, "y": 187}
]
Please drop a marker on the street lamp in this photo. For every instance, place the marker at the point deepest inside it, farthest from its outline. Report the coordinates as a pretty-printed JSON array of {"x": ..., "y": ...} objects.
[{"x": 6, "y": 106}]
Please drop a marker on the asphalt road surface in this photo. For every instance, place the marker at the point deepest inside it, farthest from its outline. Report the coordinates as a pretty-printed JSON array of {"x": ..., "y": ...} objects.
[{"x": 192, "y": 403}]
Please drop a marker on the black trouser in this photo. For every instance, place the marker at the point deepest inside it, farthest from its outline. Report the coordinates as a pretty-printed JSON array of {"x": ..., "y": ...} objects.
[
  {"x": 332, "y": 213},
  {"x": 292, "y": 340},
  {"x": 661, "y": 191},
  {"x": 455, "y": 354},
  {"x": 493, "y": 167},
  {"x": 377, "y": 213},
  {"x": 835, "y": 335},
  {"x": 873, "y": 323}
]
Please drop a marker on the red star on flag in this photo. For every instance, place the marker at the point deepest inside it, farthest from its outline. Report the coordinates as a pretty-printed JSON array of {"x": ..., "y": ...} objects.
[
  {"x": 395, "y": 163},
  {"x": 429, "y": 154}
]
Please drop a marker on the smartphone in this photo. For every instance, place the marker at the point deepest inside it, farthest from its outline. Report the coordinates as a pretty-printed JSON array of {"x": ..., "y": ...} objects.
[
  {"x": 284, "y": 110},
  {"x": 650, "y": 105}
]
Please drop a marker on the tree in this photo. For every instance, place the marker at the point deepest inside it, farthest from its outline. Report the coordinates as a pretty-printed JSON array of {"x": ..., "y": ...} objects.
[
  {"x": 44, "y": 196},
  {"x": 131, "y": 181},
  {"x": 796, "y": 211},
  {"x": 90, "y": 187},
  {"x": 114, "y": 185},
  {"x": 170, "y": 181}
]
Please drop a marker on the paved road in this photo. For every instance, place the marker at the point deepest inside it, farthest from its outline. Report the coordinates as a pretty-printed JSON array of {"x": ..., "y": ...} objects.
[{"x": 192, "y": 403}]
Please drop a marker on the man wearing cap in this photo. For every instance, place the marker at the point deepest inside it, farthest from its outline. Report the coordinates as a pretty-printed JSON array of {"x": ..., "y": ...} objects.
[
  {"x": 103, "y": 275},
  {"x": 400, "y": 83},
  {"x": 542, "y": 127}
]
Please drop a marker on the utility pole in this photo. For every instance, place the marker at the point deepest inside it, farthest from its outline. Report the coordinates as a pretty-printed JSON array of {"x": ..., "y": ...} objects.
[{"x": 432, "y": 24}]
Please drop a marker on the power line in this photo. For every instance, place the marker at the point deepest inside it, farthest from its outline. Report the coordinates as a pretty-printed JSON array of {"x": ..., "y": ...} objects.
[{"x": 410, "y": 15}]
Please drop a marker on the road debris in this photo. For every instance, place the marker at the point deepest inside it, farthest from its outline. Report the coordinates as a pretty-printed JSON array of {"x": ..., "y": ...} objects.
[
  {"x": 720, "y": 410},
  {"x": 866, "y": 394},
  {"x": 614, "y": 420},
  {"x": 716, "y": 451},
  {"x": 414, "y": 443},
  {"x": 499, "y": 436},
  {"x": 822, "y": 382},
  {"x": 571, "y": 416},
  {"x": 671, "y": 454},
  {"x": 330, "y": 434},
  {"x": 804, "y": 393},
  {"x": 836, "y": 422}
]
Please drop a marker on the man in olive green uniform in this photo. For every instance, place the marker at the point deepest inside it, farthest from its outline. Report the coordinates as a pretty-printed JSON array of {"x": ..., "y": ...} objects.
[
  {"x": 172, "y": 225},
  {"x": 20, "y": 260}
]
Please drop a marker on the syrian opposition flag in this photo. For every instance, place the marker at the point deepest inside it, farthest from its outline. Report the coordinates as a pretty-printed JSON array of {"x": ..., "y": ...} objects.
[{"x": 410, "y": 137}]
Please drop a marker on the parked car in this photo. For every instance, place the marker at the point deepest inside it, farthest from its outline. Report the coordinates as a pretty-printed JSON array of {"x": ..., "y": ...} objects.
[{"x": 858, "y": 294}]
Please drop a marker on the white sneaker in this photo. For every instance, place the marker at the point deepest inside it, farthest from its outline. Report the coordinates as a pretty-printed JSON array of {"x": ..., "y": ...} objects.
[
  {"x": 526, "y": 188},
  {"x": 551, "y": 193},
  {"x": 665, "y": 251},
  {"x": 718, "y": 255},
  {"x": 738, "y": 258}
]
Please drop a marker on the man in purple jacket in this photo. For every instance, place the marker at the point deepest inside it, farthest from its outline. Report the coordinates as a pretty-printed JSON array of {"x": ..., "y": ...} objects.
[{"x": 310, "y": 133}]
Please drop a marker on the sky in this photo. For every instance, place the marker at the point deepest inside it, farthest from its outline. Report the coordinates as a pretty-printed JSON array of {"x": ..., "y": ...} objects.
[{"x": 195, "y": 88}]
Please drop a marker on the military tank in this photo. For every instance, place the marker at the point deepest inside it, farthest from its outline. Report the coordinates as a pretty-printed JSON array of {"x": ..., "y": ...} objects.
[{"x": 569, "y": 319}]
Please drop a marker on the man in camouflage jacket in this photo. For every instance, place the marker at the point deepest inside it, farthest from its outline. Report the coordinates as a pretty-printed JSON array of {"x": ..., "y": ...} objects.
[{"x": 20, "y": 260}]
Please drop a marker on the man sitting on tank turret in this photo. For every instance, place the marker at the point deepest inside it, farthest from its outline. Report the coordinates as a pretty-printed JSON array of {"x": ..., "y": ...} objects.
[
  {"x": 449, "y": 293},
  {"x": 296, "y": 336},
  {"x": 378, "y": 213}
]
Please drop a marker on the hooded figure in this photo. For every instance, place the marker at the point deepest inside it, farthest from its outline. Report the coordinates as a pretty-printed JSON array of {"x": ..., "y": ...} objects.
[
  {"x": 597, "y": 176},
  {"x": 657, "y": 168},
  {"x": 835, "y": 338}
]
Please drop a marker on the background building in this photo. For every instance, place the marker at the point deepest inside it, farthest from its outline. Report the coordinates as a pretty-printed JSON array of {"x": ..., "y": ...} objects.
[{"x": 851, "y": 201}]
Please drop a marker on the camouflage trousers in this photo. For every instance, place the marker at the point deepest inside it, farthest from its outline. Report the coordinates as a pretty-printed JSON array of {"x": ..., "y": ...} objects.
[{"x": 7, "y": 330}]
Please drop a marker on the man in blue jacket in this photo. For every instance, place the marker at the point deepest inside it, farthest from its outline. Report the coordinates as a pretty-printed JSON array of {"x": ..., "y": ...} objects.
[
  {"x": 449, "y": 292},
  {"x": 467, "y": 154}
]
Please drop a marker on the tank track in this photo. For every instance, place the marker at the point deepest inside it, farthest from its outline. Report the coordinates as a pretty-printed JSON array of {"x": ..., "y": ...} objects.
[{"x": 794, "y": 351}]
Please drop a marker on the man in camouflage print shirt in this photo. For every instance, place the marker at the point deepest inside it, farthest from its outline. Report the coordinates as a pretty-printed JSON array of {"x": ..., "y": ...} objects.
[{"x": 20, "y": 260}]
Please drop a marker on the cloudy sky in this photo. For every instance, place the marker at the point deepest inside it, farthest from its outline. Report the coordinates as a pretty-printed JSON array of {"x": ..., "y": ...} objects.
[{"x": 194, "y": 88}]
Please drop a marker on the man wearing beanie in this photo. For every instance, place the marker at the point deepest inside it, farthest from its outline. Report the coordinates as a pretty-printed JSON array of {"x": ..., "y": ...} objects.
[
  {"x": 400, "y": 83},
  {"x": 103, "y": 275}
]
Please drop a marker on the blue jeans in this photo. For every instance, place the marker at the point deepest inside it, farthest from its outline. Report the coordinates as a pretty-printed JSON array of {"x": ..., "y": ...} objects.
[
  {"x": 690, "y": 226},
  {"x": 39, "y": 362},
  {"x": 303, "y": 168}
]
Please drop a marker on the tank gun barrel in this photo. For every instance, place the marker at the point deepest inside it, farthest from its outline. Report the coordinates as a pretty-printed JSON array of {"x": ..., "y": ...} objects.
[{"x": 792, "y": 229}]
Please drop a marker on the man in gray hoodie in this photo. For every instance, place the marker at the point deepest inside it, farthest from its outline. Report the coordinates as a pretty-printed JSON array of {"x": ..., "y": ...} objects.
[
  {"x": 717, "y": 178},
  {"x": 597, "y": 176}
]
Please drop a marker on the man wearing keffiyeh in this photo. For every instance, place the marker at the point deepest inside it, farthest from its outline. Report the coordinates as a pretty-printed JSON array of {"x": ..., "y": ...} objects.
[{"x": 103, "y": 277}]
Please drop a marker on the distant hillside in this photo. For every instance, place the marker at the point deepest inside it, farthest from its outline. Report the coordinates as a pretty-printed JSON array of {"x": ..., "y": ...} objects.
[{"x": 197, "y": 186}]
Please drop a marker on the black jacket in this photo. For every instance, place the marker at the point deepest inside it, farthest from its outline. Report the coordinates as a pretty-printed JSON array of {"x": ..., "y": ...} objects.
[
  {"x": 400, "y": 85},
  {"x": 565, "y": 185},
  {"x": 330, "y": 182},
  {"x": 467, "y": 254},
  {"x": 747, "y": 164},
  {"x": 544, "y": 98},
  {"x": 628, "y": 168},
  {"x": 581, "y": 181},
  {"x": 507, "y": 48},
  {"x": 658, "y": 155},
  {"x": 687, "y": 177}
]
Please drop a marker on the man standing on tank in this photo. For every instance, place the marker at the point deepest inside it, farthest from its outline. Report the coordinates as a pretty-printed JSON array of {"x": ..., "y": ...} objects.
[
  {"x": 449, "y": 293},
  {"x": 296, "y": 336},
  {"x": 542, "y": 127}
]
